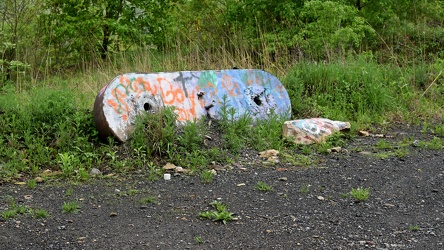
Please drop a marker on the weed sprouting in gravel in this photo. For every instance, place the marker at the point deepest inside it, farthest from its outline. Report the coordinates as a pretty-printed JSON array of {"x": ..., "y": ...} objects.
[
  {"x": 401, "y": 152},
  {"x": 21, "y": 209},
  {"x": 383, "y": 144},
  {"x": 221, "y": 213},
  {"x": 9, "y": 214},
  {"x": 439, "y": 130},
  {"x": 360, "y": 194},
  {"x": 69, "y": 192},
  {"x": 198, "y": 239},
  {"x": 414, "y": 228},
  {"x": 70, "y": 207},
  {"x": 435, "y": 144},
  {"x": 149, "y": 199},
  {"x": 206, "y": 176},
  {"x": 40, "y": 213},
  {"x": 304, "y": 188},
  {"x": 31, "y": 183},
  {"x": 262, "y": 186}
]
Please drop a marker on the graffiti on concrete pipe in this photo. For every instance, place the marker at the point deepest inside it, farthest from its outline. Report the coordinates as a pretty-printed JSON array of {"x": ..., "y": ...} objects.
[{"x": 193, "y": 94}]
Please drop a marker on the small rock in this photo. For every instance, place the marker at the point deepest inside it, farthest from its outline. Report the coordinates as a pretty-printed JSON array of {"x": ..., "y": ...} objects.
[
  {"x": 435, "y": 190},
  {"x": 27, "y": 197},
  {"x": 283, "y": 179},
  {"x": 179, "y": 170},
  {"x": 388, "y": 205},
  {"x": 214, "y": 172},
  {"x": 273, "y": 159},
  {"x": 268, "y": 153},
  {"x": 364, "y": 133},
  {"x": 365, "y": 153},
  {"x": 336, "y": 149},
  {"x": 240, "y": 184},
  {"x": 112, "y": 214},
  {"x": 415, "y": 143},
  {"x": 321, "y": 198},
  {"x": 95, "y": 172},
  {"x": 169, "y": 166},
  {"x": 38, "y": 179}
]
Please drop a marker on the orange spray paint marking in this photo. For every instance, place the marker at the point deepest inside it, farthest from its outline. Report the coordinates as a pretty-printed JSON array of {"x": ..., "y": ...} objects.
[{"x": 227, "y": 83}]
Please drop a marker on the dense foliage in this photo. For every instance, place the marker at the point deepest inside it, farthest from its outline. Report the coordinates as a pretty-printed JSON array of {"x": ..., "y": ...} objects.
[{"x": 42, "y": 36}]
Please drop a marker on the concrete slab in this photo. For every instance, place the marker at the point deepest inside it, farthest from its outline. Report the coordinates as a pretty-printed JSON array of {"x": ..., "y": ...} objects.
[{"x": 193, "y": 94}]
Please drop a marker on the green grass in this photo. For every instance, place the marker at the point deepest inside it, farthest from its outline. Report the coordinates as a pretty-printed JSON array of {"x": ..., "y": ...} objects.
[
  {"x": 206, "y": 176},
  {"x": 18, "y": 210},
  {"x": 262, "y": 186},
  {"x": 304, "y": 189},
  {"x": 414, "y": 228},
  {"x": 198, "y": 239},
  {"x": 148, "y": 200},
  {"x": 383, "y": 144},
  {"x": 9, "y": 214},
  {"x": 435, "y": 144},
  {"x": 360, "y": 194},
  {"x": 41, "y": 213},
  {"x": 220, "y": 214},
  {"x": 71, "y": 207},
  {"x": 69, "y": 192},
  {"x": 31, "y": 183}
]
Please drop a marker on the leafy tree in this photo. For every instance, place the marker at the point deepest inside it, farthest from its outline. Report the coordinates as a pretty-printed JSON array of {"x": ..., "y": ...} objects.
[
  {"x": 85, "y": 30},
  {"x": 331, "y": 28},
  {"x": 15, "y": 16}
]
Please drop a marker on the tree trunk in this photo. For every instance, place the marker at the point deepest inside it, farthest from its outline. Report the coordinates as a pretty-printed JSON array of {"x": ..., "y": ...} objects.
[{"x": 105, "y": 42}]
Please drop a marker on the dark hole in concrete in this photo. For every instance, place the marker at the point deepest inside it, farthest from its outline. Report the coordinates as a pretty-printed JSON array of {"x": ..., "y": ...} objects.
[
  {"x": 257, "y": 100},
  {"x": 147, "y": 107}
]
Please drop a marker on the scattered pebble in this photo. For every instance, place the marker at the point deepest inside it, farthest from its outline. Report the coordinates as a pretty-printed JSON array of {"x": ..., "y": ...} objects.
[
  {"x": 388, "y": 205},
  {"x": 112, "y": 214},
  {"x": 283, "y": 179}
]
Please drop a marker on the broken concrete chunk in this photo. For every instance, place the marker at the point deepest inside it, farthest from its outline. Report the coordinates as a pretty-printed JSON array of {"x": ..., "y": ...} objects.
[
  {"x": 169, "y": 166},
  {"x": 309, "y": 131}
]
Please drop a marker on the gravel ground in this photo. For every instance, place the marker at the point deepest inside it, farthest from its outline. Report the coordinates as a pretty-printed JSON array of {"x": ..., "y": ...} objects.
[{"x": 308, "y": 207}]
